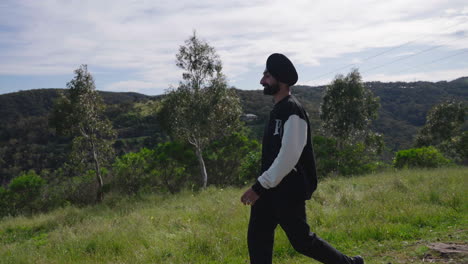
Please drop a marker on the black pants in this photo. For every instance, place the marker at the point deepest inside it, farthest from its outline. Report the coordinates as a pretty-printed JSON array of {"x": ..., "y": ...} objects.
[{"x": 266, "y": 214}]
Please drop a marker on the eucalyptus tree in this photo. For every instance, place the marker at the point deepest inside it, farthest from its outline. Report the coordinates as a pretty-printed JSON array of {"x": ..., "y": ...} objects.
[
  {"x": 443, "y": 129},
  {"x": 202, "y": 108},
  {"x": 443, "y": 123},
  {"x": 79, "y": 113},
  {"x": 347, "y": 111}
]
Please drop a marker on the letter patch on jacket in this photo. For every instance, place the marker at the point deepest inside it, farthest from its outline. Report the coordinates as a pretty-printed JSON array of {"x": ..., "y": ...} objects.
[{"x": 277, "y": 127}]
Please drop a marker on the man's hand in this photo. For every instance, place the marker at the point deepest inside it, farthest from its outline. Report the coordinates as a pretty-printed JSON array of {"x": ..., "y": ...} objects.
[{"x": 249, "y": 197}]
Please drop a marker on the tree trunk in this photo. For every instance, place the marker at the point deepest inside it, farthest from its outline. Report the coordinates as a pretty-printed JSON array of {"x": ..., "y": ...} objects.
[
  {"x": 201, "y": 162},
  {"x": 166, "y": 176},
  {"x": 100, "y": 192},
  {"x": 339, "y": 147}
]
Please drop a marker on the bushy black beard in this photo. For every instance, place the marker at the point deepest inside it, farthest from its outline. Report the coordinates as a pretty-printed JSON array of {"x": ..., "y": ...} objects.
[{"x": 270, "y": 89}]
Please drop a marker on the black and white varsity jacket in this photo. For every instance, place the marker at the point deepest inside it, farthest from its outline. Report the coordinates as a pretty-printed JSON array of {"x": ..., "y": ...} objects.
[{"x": 288, "y": 163}]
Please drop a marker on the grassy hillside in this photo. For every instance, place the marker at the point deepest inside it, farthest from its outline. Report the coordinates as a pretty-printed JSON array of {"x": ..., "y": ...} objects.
[{"x": 388, "y": 218}]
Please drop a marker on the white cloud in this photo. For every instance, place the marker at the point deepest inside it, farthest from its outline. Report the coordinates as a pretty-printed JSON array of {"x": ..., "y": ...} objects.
[
  {"x": 51, "y": 37},
  {"x": 404, "y": 54},
  {"x": 131, "y": 86},
  {"x": 144, "y": 87},
  {"x": 432, "y": 76}
]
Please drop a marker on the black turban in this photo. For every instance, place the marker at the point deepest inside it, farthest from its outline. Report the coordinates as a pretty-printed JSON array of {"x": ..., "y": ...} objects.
[{"x": 281, "y": 68}]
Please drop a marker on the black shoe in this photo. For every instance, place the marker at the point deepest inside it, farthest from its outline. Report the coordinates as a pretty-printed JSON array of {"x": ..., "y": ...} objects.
[{"x": 358, "y": 260}]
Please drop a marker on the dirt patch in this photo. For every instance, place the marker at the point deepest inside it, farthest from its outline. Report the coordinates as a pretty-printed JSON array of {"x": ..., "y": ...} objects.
[{"x": 447, "y": 253}]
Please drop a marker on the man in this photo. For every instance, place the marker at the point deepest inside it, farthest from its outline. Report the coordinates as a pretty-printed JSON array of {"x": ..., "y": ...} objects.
[{"x": 288, "y": 176}]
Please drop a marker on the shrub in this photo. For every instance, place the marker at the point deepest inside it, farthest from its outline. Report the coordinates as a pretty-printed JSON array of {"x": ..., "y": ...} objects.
[
  {"x": 355, "y": 160},
  {"x": 250, "y": 167},
  {"x": 425, "y": 157},
  {"x": 166, "y": 167},
  {"x": 225, "y": 159},
  {"x": 4, "y": 202},
  {"x": 132, "y": 171},
  {"x": 24, "y": 192},
  {"x": 173, "y": 163},
  {"x": 462, "y": 147},
  {"x": 81, "y": 190},
  {"x": 352, "y": 159},
  {"x": 326, "y": 155}
]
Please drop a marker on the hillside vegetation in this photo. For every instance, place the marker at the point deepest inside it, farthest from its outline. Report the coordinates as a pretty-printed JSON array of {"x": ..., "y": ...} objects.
[
  {"x": 27, "y": 141},
  {"x": 389, "y": 217}
]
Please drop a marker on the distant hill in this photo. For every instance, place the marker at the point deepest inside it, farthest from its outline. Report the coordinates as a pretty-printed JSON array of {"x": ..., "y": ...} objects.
[
  {"x": 403, "y": 105},
  {"x": 39, "y": 102},
  {"x": 27, "y": 142}
]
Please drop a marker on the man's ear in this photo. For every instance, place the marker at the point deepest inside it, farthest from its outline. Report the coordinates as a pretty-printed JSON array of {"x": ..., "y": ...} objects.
[{"x": 283, "y": 85}]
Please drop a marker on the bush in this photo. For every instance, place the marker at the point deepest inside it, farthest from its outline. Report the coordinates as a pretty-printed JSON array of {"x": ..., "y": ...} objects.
[
  {"x": 166, "y": 167},
  {"x": 173, "y": 164},
  {"x": 65, "y": 186},
  {"x": 81, "y": 190},
  {"x": 4, "y": 202},
  {"x": 355, "y": 160},
  {"x": 250, "y": 167},
  {"x": 425, "y": 157},
  {"x": 326, "y": 155},
  {"x": 462, "y": 148},
  {"x": 352, "y": 159},
  {"x": 132, "y": 171},
  {"x": 225, "y": 158},
  {"x": 24, "y": 192}
]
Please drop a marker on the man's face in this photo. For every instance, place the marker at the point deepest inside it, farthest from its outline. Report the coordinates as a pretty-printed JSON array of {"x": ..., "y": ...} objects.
[{"x": 270, "y": 84}]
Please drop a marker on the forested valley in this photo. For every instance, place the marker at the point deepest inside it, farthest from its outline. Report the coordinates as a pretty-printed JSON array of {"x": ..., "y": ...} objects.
[
  {"x": 27, "y": 141},
  {"x": 29, "y": 145}
]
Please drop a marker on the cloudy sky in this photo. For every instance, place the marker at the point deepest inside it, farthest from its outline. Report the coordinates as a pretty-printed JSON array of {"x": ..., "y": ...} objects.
[{"x": 130, "y": 45}]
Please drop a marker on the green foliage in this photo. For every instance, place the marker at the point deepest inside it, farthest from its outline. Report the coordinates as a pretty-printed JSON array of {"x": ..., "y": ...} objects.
[
  {"x": 23, "y": 193},
  {"x": 325, "y": 155},
  {"x": 347, "y": 111},
  {"x": 348, "y": 108},
  {"x": 79, "y": 114},
  {"x": 444, "y": 122},
  {"x": 352, "y": 159},
  {"x": 170, "y": 166},
  {"x": 164, "y": 168},
  {"x": 462, "y": 147},
  {"x": 28, "y": 145},
  {"x": 232, "y": 160},
  {"x": 389, "y": 217},
  {"x": 27, "y": 142},
  {"x": 175, "y": 163},
  {"x": 80, "y": 190},
  {"x": 250, "y": 167},
  {"x": 443, "y": 129},
  {"x": 425, "y": 157},
  {"x": 4, "y": 202},
  {"x": 356, "y": 160},
  {"x": 27, "y": 184},
  {"x": 64, "y": 187},
  {"x": 199, "y": 61},
  {"x": 133, "y": 171},
  {"x": 202, "y": 108}
]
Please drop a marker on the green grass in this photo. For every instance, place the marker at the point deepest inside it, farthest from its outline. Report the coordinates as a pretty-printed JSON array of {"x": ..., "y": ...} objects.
[{"x": 386, "y": 217}]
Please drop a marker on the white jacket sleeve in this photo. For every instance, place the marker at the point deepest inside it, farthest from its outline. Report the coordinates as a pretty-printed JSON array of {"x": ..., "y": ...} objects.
[{"x": 292, "y": 144}]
